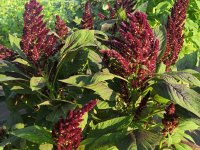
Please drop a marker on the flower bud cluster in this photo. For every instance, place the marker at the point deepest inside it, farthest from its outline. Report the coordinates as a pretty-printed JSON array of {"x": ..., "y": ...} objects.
[
  {"x": 87, "y": 20},
  {"x": 61, "y": 28},
  {"x": 67, "y": 133},
  {"x": 35, "y": 39},
  {"x": 6, "y": 53},
  {"x": 174, "y": 30},
  {"x": 170, "y": 120}
]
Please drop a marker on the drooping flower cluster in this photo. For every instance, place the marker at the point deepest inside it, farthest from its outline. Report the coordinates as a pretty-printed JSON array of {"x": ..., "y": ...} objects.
[
  {"x": 61, "y": 28},
  {"x": 67, "y": 133},
  {"x": 175, "y": 36},
  {"x": 136, "y": 50},
  {"x": 87, "y": 20},
  {"x": 170, "y": 120},
  {"x": 6, "y": 53},
  {"x": 36, "y": 42}
]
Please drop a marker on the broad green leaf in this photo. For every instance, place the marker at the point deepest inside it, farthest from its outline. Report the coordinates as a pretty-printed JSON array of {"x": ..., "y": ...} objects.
[
  {"x": 183, "y": 77},
  {"x": 109, "y": 126},
  {"x": 182, "y": 146},
  {"x": 46, "y": 147},
  {"x": 179, "y": 94},
  {"x": 37, "y": 83},
  {"x": 78, "y": 39},
  {"x": 107, "y": 141},
  {"x": 187, "y": 125},
  {"x": 160, "y": 33},
  {"x": 161, "y": 68},
  {"x": 146, "y": 140},
  {"x": 84, "y": 122},
  {"x": 34, "y": 134},
  {"x": 89, "y": 80},
  {"x": 189, "y": 61},
  {"x": 15, "y": 43},
  {"x": 102, "y": 89},
  {"x": 4, "y": 78},
  {"x": 94, "y": 61}
]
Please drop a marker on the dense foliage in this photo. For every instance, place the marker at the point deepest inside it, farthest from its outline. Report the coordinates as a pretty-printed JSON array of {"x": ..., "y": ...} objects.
[{"x": 112, "y": 80}]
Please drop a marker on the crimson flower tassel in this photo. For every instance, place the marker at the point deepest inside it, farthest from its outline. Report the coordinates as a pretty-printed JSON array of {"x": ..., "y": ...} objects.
[
  {"x": 170, "y": 120},
  {"x": 87, "y": 20},
  {"x": 61, "y": 28},
  {"x": 174, "y": 29},
  {"x": 5, "y": 53},
  {"x": 35, "y": 41},
  {"x": 67, "y": 133},
  {"x": 137, "y": 48}
]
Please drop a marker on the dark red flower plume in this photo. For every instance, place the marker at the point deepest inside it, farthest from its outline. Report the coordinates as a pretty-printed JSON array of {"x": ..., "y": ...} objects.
[
  {"x": 67, "y": 133},
  {"x": 175, "y": 36},
  {"x": 61, "y": 28},
  {"x": 35, "y": 39},
  {"x": 87, "y": 20}
]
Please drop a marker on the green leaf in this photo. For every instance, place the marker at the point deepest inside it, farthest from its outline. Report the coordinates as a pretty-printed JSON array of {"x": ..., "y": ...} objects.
[
  {"x": 179, "y": 94},
  {"x": 181, "y": 146},
  {"x": 15, "y": 43},
  {"x": 37, "y": 83},
  {"x": 6, "y": 66},
  {"x": 46, "y": 147},
  {"x": 160, "y": 33},
  {"x": 146, "y": 140},
  {"x": 189, "y": 61},
  {"x": 34, "y": 134},
  {"x": 107, "y": 141},
  {"x": 109, "y": 126},
  {"x": 4, "y": 78},
  {"x": 89, "y": 80},
  {"x": 84, "y": 122},
  {"x": 183, "y": 77},
  {"x": 78, "y": 39}
]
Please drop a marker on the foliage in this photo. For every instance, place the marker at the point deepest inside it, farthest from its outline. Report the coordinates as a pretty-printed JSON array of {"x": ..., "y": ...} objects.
[{"x": 99, "y": 83}]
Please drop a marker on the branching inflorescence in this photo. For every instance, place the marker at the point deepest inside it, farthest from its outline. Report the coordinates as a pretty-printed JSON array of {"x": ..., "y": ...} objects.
[
  {"x": 136, "y": 51},
  {"x": 175, "y": 36},
  {"x": 36, "y": 42},
  {"x": 66, "y": 132},
  {"x": 170, "y": 120},
  {"x": 87, "y": 20}
]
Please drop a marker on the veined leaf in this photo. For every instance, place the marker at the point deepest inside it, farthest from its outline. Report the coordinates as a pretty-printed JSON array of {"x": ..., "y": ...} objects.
[
  {"x": 179, "y": 94},
  {"x": 184, "y": 77},
  {"x": 34, "y": 134},
  {"x": 89, "y": 80},
  {"x": 110, "y": 126},
  {"x": 37, "y": 83}
]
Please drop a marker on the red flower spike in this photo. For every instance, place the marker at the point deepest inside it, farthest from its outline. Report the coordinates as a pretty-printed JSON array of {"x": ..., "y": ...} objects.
[
  {"x": 61, "y": 28},
  {"x": 67, "y": 133},
  {"x": 137, "y": 48},
  {"x": 174, "y": 29},
  {"x": 5, "y": 53},
  {"x": 87, "y": 20},
  {"x": 35, "y": 40},
  {"x": 170, "y": 120}
]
